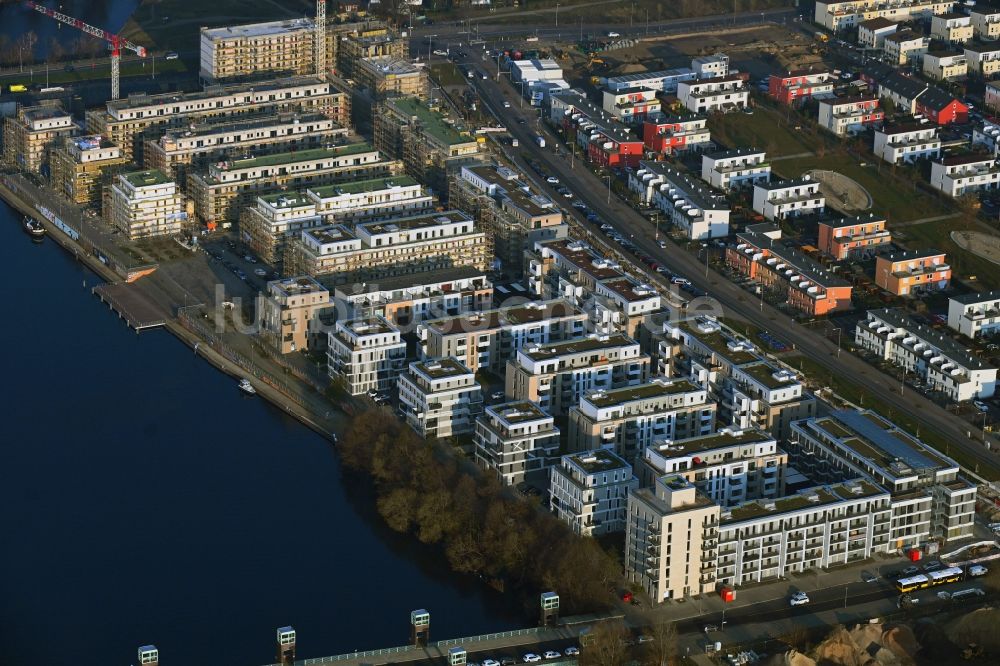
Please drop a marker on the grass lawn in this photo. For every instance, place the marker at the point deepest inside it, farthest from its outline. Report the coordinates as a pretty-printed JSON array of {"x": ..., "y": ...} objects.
[
  {"x": 447, "y": 74},
  {"x": 765, "y": 130},
  {"x": 58, "y": 76},
  {"x": 895, "y": 198},
  {"x": 608, "y": 12},
  {"x": 852, "y": 392},
  {"x": 937, "y": 235}
]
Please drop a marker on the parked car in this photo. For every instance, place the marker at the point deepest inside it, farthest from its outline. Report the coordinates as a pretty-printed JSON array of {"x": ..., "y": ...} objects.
[
  {"x": 612, "y": 33},
  {"x": 932, "y": 565},
  {"x": 531, "y": 658},
  {"x": 552, "y": 654},
  {"x": 662, "y": 244},
  {"x": 910, "y": 571},
  {"x": 868, "y": 577},
  {"x": 978, "y": 570},
  {"x": 171, "y": 55},
  {"x": 679, "y": 280},
  {"x": 571, "y": 651},
  {"x": 506, "y": 104},
  {"x": 798, "y": 599},
  {"x": 981, "y": 406},
  {"x": 552, "y": 180}
]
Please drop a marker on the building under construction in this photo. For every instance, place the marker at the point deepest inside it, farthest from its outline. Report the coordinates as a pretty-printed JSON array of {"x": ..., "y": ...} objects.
[
  {"x": 384, "y": 76},
  {"x": 31, "y": 133},
  {"x": 426, "y": 140},
  {"x": 82, "y": 166}
]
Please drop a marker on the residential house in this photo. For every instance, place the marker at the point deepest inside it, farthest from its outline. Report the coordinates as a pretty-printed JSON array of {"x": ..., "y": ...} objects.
[{"x": 904, "y": 273}]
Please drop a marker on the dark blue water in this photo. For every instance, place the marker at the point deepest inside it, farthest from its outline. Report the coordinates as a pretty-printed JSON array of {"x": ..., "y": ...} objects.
[
  {"x": 143, "y": 499},
  {"x": 16, "y": 18}
]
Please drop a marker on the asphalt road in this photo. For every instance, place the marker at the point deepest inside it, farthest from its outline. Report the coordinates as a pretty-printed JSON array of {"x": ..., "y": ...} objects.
[{"x": 593, "y": 191}]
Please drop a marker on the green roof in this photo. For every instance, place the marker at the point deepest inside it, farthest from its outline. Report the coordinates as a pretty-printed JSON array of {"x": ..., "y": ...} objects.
[
  {"x": 576, "y": 346},
  {"x": 715, "y": 441},
  {"x": 445, "y": 367},
  {"x": 286, "y": 199},
  {"x": 718, "y": 342},
  {"x": 302, "y": 155},
  {"x": 653, "y": 389},
  {"x": 432, "y": 121},
  {"x": 764, "y": 373},
  {"x": 827, "y": 495},
  {"x": 370, "y": 185},
  {"x": 144, "y": 178},
  {"x": 599, "y": 460}
]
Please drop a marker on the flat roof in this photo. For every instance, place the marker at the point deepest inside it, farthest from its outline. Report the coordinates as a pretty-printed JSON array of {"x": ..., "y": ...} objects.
[
  {"x": 369, "y": 326},
  {"x": 388, "y": 64},
  {"x": 441, "y": 367},
  {"x": 518, "y": 411},
  {"x": 719, "y": 440},
  {"x": 738, "y": 152},
  {"x": 356, "y": 186},
  {"x": 534, "y": 311},
  {"x": 903, "y": 36},
  {"x": 289, "y": 199},
  {"x": 432, "y": 121},
  {"x": 577, "y": 346},
  {"x": 301, "y": 156},
  {"x": 764, "y": 373},
  {"x": 139, "y": 100},
  {"x": 877, "y": 23},
  {"x": 839, "y": 223},
  {"x": 658, "y": 74},
  {"x": 810, "y": 497},
  {"x": 907, "y": 255},
  {"x": 802, "y": 264},
  {"x": 631, "y": 290},
  {"x": 297, "y": 285},
  {"x": 718, "y": 342},
  {"x": 583, "y": 258},
  {"x": 654, "y": 389},
  {"x": 696, "y": 192},
  {"x": 258, "y": 29},
  {"x": 598, "y": 460},
  {"x": 980, "y": 297},
  {"x": 432, "y": 219},
  {"x": 943, "y": 341},
  {"x": 145, "y": 178},
  {"x": 955, "y": 160},
  {"x": 330, "y": 234}
]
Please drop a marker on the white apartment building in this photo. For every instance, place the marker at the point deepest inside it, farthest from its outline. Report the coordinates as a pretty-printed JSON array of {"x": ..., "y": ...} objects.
[
  {"x": 663, "y": 81},
  {"x": 986, "y": 23},
  {"x": 721, "y": 93},
  {"x": 849, "y": 115},
  {"x": 872, "y": 33},
  {"x": 711, "y": 66},
  {"x": 731, "y": 466},
  {"x": 693, "y": 208},
  {"x": 945, "y": 65},
  {"x": 365, "y": 354},
  {"x": 555, "y": 376},
  {"x": 589, "y": 492},
  {"x": 907, "y": 142},
  {"x": 788, "y": 198},
  {"x": 973, "y": 315},
  {"x": 733, "y": 169},
  {"x": 631, "y": 105},
  {"x": 844, "y": 14},
  {"x": 370, "y": 199},
  {"x": 144, "y": 204},
  {"x": 627, "y": 420},
  {"x": 515, "y": 438},
  {"x": 936, "y": 359},
  {"x": 238, "y": 51},
  {"x": 929, "y": 500},
  {"x": 983, "y": 59},
  {"x": 961, "y": 174},
  {"x": 951, "y": 27},
  {"x": 487, "y": 340},
  {"x": 440, "y": 398},
  {"x": 763, "y": 396},
  {"x": 621, "y": 303},
  {"x": 904, "y": 47}
]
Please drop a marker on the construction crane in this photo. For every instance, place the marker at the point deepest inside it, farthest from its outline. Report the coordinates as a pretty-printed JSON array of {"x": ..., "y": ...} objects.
[
  {"x": 320, "y": 37},
  {"x": 117, "y": 42}
]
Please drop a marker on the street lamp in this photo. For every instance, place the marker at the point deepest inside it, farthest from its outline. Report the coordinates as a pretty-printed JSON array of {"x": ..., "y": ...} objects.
[
  {"x": 609, "y": 188},
  {"x": 838, "y": 329},
  {"x": 557, "y": 14}
]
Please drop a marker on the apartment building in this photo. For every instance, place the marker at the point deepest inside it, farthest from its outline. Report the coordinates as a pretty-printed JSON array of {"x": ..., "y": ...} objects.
[
  {"x": 144, "y": 204},
  {"x": 427, "y": 142},
  {"x": 602, "y": 138},
  {"x": 901, "y": 89},
  {"x": 794, "y": 87},
  {"x": 704, "y": 353},
  {"x": 845, "y": 14},
  {"x": 763, "y": 396},
  {"x": 904, "y": 47},
  {"x": 621, "y": 304},
  {"x": 365, "y": 355},
  {"x": 934, "y": 357},
  {"x": 735, "y": 169},
  {"x": 807, "y": 285},
  {"x": 719, "y": 93},
  {"x": 991, "y": 98},
  {"x": 730, "y": 467},
  {"x": 31, "y": 133},
  {"x": 391, "y": 76},
  {"x": 928, "y": 498},
  {"x": 957, "y": 175},
  {"x": 983, "y": 59},
  {"x": 974, "y": 315},
  {"x": 274, "y": 219},
  {"x": 224, "y": 188},
  {"x": 513, "y": 215},
  {"x": 405, "y": 301},
  {"x": 589, "y": 492},
  {"x": 692, "y": 208},
  {"x": 779, "y": 200},
  {"x": 667, "y": 135},
  {"x": 371, "y": 251},
  {"x": 627, "y": 420},
  {"x": 179, "y": 150},
  {"x": 858, "y": 237},
  {"x": 81, "y": 166},
  {"x": 289, "y": 314},
  {"x": 514, "y": 439},
  {"x": 872, "y": 33},
  {"x": 440, "y": 398},
  {"x": 904, "y": 273},
  {"x": 129, "y": 122},
  {"x": 907, "y": 142},
  {"x": 986, "y": 23},
  {"x": 664, "y": 81},
  {"x": 487, "y": 340},
  {"x": 372, "y": 39},
  {"x": 945, "y": 65},
  {"x": 952, "y": 27},
  {"x": 556, "y": 375},
  {"x": 263, "y": 50},
  {"x": 632, "y": 106},
  {"x": 849, "y": 115},
  {"x": 370, "y": 200}
]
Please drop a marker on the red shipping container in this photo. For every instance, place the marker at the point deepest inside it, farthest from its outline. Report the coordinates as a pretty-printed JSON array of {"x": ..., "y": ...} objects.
[
  {"x": 914, "y": 555},
  {"x": 727, "y": 594},
  {"x": 627, "y": 597}
]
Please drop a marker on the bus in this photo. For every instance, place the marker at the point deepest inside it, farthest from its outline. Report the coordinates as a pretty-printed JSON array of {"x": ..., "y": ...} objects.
[{"x": 930, "y": 579}]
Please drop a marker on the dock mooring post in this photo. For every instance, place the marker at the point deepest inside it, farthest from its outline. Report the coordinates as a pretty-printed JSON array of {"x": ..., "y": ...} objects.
[
  {"x": 148, "y": 654},
  {"x": 420, "y": 627},
  {"x": 286, "y": 645}
]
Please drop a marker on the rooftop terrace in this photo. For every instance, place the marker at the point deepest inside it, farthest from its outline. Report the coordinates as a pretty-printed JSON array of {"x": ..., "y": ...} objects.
[
  {"x": 657, "y": 388},
  {"x": 432, "y": 121}
]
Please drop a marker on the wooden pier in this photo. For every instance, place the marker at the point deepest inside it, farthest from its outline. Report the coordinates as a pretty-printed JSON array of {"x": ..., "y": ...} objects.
[{"x": 138, "y": 311}]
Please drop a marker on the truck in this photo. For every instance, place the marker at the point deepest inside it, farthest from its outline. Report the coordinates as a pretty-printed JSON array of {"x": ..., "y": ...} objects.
[{"x": 540, "y": 140}]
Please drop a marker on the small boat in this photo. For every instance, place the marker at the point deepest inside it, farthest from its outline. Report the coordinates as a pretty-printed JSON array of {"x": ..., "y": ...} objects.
[
  {"x": 33, "y": 227},
  {"x": 247, "y": 387}
]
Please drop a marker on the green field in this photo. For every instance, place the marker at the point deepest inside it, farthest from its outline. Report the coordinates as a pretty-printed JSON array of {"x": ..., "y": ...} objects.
[
  {"x": 765, "y": 130},
  {"x": 607, "y": 12}
]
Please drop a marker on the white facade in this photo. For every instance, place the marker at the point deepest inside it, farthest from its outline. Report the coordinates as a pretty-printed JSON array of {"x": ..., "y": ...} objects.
[
  {"x": 515, "y": 438},
  {"x": 872, "y": 33},
  {"x": 849, "y": 115},
  {"x": 146, "y": 204},
  {"x": 735, "y": 168},
  {"x": 951, "y": 27},
  {"x": 662, "y": 81},
  {"x": 691, "y": 207},
  {"x": 986, "y": 23},
  {"x": 907, "y": 143},
  {"x": 973, "y": 315},
  {"x": 589, "y": 492},
  {"x": 904, "y": 47},
  {"x": 709, "y": 67},
  {"x": 365, "y": 354},
  {"x": 983, "y": 60},
  {"x": 987, "y": 136},
  {"x": 789, "y": 198},
  {"x": 945, "y": 66},
  {"x": 956, "y": 176},
  {"x": 440, "y": 398},
  {"x": 843, "y": 14},
  {"x": 723, "y": 93}
]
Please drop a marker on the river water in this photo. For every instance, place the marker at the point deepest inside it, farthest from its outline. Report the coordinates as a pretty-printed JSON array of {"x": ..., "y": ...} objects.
[{"x": 143, "y": 499}]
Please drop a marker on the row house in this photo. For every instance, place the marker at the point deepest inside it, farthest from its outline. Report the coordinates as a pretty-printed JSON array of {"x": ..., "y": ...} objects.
[
  {"x": 664, "y": 81},
  {"x": 668, "y": 135},
  {"x": 872, "y": 33},
  {"x": 778, "y": 200},
  {"x": 902, "y": 90},
  {"x": 935, "y": 357},
  {"x": 976, "y": 314},
  {"x": 735, "y": 169},
  {"x": 365, "y": 355},
  {"x": 601, "y": 136},
  {"x": 939, "y": 107},
  {"x": 904, "y": 47},
  {"x": 837, "y": 15},
  {"x": 958, "y": 175},
  {"x": 440, "y": 398},
  {"x": 987, "y": 137},
  {"x": 808, "y": 287},
  {"x": 905, "y": 273},
  {"x": 797, "y": 86},
  {"x": 711, "y": 66},
  {"x": 589, "y": 491},
  {"x": 907, "y": 142},
  {"x": 986, "y": 23},
  {"x": 952, "y": 27},
  {"x": 849, "y": 238},
  {"x": 849, "y": 115},
  {"x": 514, "y": 439},
  {"x": 632, "y": 105},
  {"x": 693, "y": 209},
  {"x": 983, "y": 59},
  {"x": 945, "y": 65},
  {"x": 722, "y": 93}
]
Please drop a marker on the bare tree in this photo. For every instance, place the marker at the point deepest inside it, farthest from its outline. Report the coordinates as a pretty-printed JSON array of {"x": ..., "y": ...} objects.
[
  {"x": 609, "y": 647},
  {"x": 26, "y": 46},
  {"x": 662, "y": 650},
  {"x": 55, "y": 51}
]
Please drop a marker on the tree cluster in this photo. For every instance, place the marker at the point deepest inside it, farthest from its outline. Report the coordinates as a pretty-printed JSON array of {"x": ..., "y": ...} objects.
[{"x": 483, "y": 529}]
